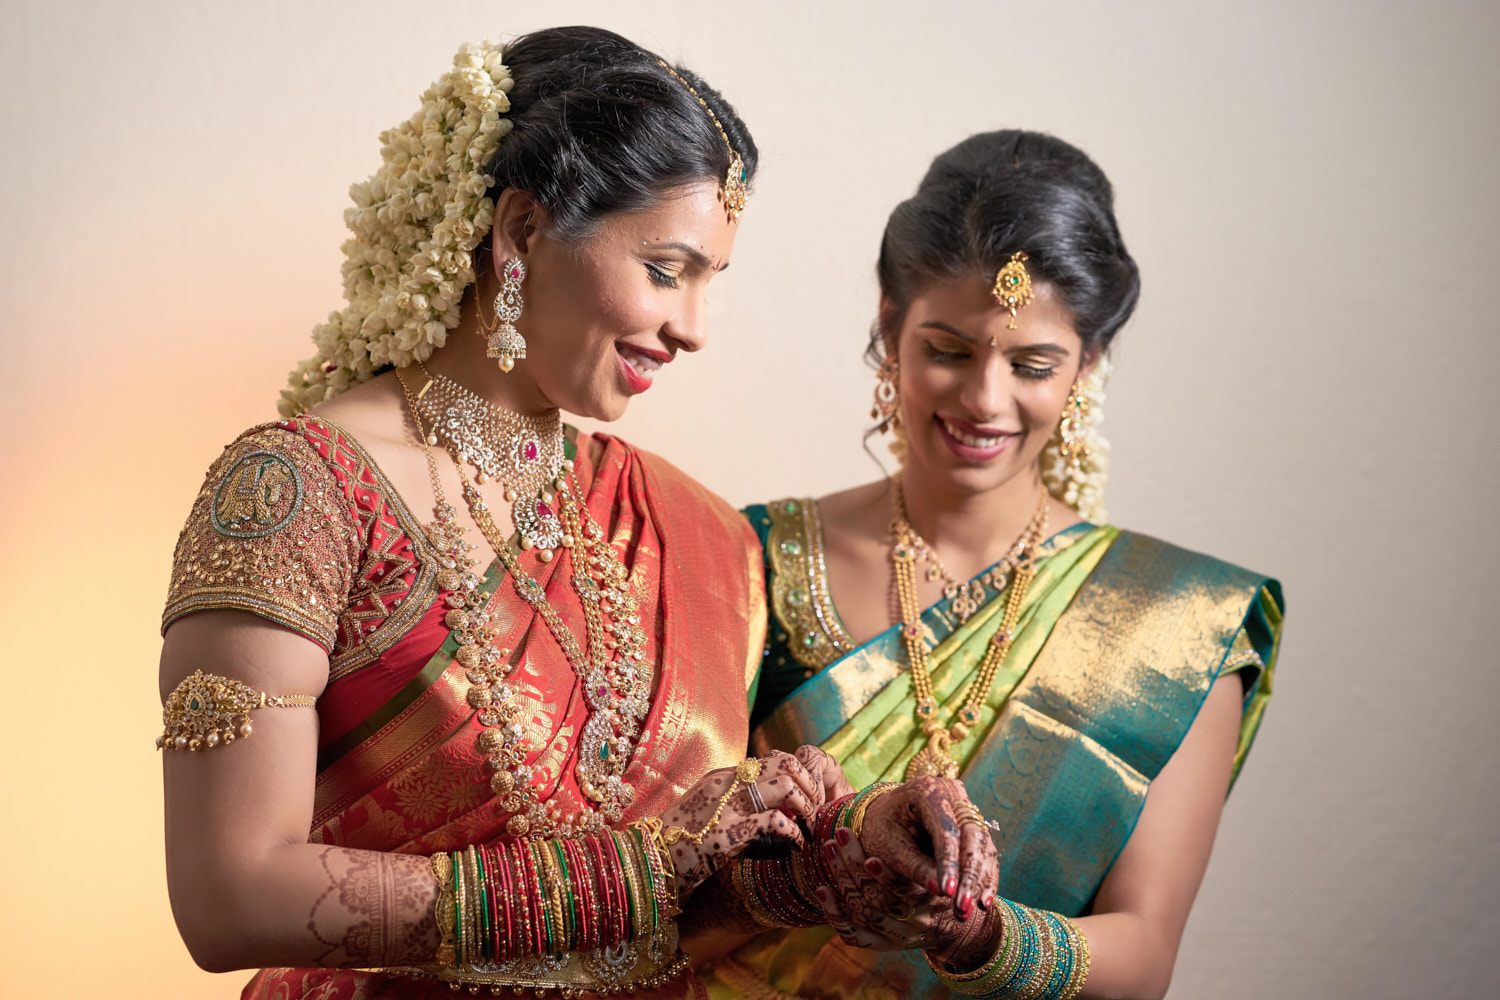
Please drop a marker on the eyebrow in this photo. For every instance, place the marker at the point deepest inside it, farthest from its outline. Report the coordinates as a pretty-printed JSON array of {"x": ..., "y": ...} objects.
[
  {"x": 1056, "y": 349},
  {"x": 697, "y": 256},
  {"x": 938, "y": 325}
]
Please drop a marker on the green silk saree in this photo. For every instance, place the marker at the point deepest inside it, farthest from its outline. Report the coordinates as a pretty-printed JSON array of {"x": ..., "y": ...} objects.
[{"x": 1120, "y": 638}]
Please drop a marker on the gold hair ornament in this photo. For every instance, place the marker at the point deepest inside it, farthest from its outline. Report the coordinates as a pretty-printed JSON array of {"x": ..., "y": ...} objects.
[
  {"x": 1013, "y": 286},
  {"x": 735, "y": 189},
  {"x": 206, "y": 710}
]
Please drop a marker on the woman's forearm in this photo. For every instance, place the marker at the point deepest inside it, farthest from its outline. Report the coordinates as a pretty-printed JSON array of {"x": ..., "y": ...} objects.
[
  {"x": 1129, "y": 959},
  {"x": 308, "y": 905}
]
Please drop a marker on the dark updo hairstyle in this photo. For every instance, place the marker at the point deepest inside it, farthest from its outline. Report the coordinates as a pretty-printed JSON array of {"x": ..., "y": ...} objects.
[
  {"x": 601, "y": 127},
  {"x": 994, "y": 194}
]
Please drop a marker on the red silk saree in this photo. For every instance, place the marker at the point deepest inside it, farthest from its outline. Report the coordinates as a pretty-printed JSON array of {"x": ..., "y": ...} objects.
[{"x": 336, "y": 554}]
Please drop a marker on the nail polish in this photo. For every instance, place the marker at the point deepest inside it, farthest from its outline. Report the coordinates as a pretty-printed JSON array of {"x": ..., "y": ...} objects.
[
  {"x": 950, "y": 886},
  {"x": 830, "y": 852},
  {"x": 932, "y": 886},
  {"x": 843, "y": 836},
  {"x": 874, "y": 867}
]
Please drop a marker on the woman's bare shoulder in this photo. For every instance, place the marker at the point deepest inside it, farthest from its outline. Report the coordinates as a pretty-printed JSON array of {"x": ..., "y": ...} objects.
[{"x": 373, "y": 413}]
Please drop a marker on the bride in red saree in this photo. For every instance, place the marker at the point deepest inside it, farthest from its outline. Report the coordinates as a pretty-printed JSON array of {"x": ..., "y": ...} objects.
[{"x": 423, "y": 752}]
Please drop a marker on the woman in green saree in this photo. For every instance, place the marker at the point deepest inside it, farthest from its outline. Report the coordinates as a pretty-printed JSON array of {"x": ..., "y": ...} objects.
[{"x": 975, "y": 615}]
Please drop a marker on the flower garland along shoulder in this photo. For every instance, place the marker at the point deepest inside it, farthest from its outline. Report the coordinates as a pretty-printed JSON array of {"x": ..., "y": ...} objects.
[{"x": 415, "y": 224}]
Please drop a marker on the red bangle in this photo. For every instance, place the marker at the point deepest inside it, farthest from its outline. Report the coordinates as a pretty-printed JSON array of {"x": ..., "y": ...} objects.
[
  {"x": 583, "y": 889},
  {"x": 620, "y": 925}
]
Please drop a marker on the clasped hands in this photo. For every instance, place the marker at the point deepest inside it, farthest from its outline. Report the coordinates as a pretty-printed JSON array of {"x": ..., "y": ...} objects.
[{"x": 913, "y": 878}]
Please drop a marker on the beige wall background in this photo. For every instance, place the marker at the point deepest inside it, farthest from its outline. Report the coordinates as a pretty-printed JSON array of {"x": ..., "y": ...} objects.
[{"x": 1310, "y": 189}]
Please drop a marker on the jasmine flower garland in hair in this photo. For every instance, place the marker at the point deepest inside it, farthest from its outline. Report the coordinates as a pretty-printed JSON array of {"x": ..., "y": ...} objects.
[{"x": 416, "y": 222}]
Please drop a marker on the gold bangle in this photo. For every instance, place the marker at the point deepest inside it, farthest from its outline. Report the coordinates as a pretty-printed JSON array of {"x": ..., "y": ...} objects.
[
  {"x": 1080, "y": 975},
  {"x": 639, "y": 884},
  {"x": 444, "y": 908},
  {"x": 856, "y": 822},
  {"x": 207, "y": 709},
  {"x": 745, "y": 886}
]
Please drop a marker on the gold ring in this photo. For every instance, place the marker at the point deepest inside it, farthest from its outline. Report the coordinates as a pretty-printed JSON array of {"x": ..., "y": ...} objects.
[{"x": 966, "y": 813}]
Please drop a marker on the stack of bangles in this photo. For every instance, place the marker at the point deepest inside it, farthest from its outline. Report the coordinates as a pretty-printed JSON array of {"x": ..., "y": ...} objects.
[
  {"x": 782, "y": 892},
  {"x": 545, "y": 897},
  {"x": 1041, "y": 956}
]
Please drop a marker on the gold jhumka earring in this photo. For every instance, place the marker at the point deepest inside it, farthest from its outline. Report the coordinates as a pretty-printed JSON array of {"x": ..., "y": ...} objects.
[
  {"x": 1073, "y": 432},
  {"x": 505, "y": 342},
  {"x": 1013, "y": 286},
  {"x": 887, "y": 411}
]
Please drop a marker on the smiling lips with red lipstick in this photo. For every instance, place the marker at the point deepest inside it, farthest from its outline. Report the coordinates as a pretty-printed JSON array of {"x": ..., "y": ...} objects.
[
  {"x": 639, "y": 364},
  {"x": 971, "y": 442}
]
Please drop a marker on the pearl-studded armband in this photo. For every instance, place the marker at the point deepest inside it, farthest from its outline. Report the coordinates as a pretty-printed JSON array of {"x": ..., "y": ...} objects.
[{"x": 207, "y": 710}]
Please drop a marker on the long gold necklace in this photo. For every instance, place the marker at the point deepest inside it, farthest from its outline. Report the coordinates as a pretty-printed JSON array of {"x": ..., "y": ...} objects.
[
  {"x": 615, "y": 674},
  {"x": 906, "y": 549}
]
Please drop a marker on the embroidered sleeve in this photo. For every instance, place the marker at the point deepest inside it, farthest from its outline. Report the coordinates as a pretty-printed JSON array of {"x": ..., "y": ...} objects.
[{"x": 270, "y": 533}]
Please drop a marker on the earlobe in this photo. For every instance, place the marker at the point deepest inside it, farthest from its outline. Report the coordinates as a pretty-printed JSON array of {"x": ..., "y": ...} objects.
[{"x": 1090, "y": 362}]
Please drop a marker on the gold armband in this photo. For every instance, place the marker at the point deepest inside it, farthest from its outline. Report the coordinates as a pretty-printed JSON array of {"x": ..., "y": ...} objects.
[{"x": 206, "y": 710}]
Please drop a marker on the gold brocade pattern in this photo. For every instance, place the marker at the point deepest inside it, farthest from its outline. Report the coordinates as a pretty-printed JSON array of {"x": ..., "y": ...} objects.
[
  {"x": 269, "y": 534},
  {"x": 393, "y": 588},
  {"x": 297, "y": 524},
  {"x": 799, "y": 586}
]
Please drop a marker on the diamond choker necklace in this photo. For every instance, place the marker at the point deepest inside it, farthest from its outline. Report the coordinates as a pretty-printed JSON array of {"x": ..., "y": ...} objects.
[{"x": 525, "y": 454}]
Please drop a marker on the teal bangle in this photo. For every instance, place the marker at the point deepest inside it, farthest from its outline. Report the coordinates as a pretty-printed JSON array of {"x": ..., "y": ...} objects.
[{"x": 1062, "y": 962}]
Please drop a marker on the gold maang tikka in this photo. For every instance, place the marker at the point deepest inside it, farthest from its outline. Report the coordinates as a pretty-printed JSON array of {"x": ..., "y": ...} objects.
[
  {"x": 1013, "y": 286},
  {"x": 736, "y": 185}
]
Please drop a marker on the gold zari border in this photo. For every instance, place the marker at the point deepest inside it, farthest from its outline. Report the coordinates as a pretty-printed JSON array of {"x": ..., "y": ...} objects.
[{"x": 799, "y": 584}]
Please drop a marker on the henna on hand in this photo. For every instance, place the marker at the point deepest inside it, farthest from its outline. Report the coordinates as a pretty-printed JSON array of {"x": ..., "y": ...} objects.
[
  {"x": 962, "y": 863},
  {"x": 825, "y": 771},
  {"x": 787, "y": 790},
  {"x": 366, "y": 914},
  {"x": 869, "y": 906}
]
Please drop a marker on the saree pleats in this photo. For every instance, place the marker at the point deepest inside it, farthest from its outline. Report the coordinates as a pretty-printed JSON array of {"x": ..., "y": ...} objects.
[{"x": 1120, "y": 638}]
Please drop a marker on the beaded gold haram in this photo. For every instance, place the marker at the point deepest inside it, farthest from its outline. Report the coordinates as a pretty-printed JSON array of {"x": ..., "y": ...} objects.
[
  {"x": 935, "y": 757},
  {"x": 1013, "y": 286},
  {"x": 736, "y": 186},
  {"x": 206, "y": 710}
]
